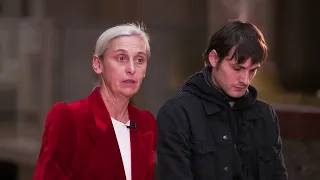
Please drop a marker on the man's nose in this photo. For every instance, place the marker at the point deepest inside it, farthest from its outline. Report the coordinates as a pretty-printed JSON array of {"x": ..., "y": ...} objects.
[{"x": 245, "y": 78}]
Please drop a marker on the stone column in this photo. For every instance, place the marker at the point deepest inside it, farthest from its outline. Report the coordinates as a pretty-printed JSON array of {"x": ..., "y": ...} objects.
[
  {"x": 178, "y": 35},
  {"x": 10, "y": 8},
  {"x": 37, "y": 8}
]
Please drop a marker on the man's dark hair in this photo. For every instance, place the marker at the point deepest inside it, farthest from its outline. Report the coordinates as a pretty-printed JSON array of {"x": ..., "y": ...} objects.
[{"x": 246, "y": 39}]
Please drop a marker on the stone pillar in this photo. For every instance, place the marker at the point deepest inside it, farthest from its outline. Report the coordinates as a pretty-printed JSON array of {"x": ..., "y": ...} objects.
[
  {"x": 178, "y": 36},
  {"x": 37, "y": 8},
  {"x": 10, "y": 8},
  {"x": 156, "y": 86}
]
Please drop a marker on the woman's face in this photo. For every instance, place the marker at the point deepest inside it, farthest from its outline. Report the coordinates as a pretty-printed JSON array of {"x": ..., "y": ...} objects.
[{"x": 123, "y": 65}]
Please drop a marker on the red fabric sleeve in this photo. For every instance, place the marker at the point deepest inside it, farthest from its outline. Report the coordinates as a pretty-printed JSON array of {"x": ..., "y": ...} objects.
[{"x": 59, "y": 144}]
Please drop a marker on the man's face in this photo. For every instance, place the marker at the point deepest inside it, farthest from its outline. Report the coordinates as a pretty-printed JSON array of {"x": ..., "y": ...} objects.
[{"x": 231, "y": 77}]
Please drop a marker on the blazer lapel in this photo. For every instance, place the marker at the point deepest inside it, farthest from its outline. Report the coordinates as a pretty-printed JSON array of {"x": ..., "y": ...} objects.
[
  {"x": 139, "y": 146},
  {"x": 102, "y": 132}
]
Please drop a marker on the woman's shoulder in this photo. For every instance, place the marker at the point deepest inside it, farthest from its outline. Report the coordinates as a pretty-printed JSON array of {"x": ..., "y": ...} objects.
[
  {"x": 142, "y": 116},
  {"x": 59, "y": 110},
  {"x": 148, "y": 114},
  {"x": 59, "y": 118},
  {"x": 63, "y": 107},
  {"x": 140, "y": 112},
  {"x": 67, "y": 113}
]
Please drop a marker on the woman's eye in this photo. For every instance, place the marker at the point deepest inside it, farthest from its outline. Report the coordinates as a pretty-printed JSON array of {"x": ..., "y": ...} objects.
[
  {"x": 121, "y": 58},
  {"x": 140, "y": 60}
]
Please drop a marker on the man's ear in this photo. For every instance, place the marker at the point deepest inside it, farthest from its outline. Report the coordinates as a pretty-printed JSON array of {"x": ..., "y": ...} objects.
[
  {"x": 96, "y": 65},
  {"x": 213, "y": 58}
]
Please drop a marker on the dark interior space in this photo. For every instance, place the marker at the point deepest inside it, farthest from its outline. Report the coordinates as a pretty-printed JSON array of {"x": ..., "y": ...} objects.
[
  {"x": 8, "y": 171},
  {"x": 296, "y": 46}
]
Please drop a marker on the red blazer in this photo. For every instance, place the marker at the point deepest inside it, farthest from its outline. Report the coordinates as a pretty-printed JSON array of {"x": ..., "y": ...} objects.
[{"x": 79, "y": 143}]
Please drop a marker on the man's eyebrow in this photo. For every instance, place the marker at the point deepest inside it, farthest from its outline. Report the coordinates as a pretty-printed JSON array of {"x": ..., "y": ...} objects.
[
  {"x": 238, "y": 66},
  {"x": 256, "y": 67},
  {"x": 242, "y": 67}
]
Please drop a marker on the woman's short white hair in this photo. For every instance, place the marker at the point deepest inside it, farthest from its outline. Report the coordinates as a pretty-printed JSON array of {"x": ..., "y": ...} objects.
[{"x": 118, "y": 31}]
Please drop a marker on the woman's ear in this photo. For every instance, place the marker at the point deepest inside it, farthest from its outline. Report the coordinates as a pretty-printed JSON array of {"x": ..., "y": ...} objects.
[
  {"x": 96, "y": 64},
  {"x": 213, "y": 58}
]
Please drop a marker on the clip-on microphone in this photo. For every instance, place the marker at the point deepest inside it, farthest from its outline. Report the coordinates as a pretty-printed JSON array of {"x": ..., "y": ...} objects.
[{"x": 133, "y": 126}]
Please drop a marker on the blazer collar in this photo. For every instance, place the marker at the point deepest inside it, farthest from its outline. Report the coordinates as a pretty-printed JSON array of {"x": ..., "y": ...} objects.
[
  {"x": 100, "y": 113},
  {"x": 102, "y": 132}
]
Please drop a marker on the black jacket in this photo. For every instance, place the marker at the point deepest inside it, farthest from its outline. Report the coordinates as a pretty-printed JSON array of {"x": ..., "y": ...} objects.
[{"x": 201, "y": 137}]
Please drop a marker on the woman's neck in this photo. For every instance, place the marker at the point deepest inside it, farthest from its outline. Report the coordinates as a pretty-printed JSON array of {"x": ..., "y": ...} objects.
[{"x": 116, "y": 105}]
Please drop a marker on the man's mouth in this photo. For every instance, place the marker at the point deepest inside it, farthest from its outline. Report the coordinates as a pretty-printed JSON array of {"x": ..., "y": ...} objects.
[{"x": 240, "y": 87}]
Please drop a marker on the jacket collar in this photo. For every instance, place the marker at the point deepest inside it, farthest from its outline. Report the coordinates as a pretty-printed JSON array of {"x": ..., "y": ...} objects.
[
  {"x": 102, "y": 132},
  {"x": 100, "y": 113}
]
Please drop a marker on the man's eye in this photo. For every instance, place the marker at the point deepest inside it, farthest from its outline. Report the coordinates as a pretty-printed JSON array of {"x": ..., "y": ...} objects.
[{"x": 120, "y": 58}]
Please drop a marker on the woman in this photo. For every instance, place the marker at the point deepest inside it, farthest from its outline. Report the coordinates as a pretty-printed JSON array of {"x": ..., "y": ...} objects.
[{"x": 104, "y": 137}]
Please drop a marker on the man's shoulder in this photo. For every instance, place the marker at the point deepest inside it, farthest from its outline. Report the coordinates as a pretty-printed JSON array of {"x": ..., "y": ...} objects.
[
  {"x": 176, "y": 112},
  {"x": 181, "y": 99},
  {"x": 265, "y": 109},
  {"x": 262, "y": 104}
]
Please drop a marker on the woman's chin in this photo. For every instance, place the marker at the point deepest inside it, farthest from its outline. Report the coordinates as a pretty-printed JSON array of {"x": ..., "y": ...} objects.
[{"x": 129, "y": 92}]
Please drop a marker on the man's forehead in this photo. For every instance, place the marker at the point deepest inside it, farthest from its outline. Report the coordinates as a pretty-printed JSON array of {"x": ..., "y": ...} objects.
[{"x": 246, "y": 65}]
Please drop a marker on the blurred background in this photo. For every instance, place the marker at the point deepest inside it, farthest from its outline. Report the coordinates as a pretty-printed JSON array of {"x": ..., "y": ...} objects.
[{"x": 46, "y": 49}]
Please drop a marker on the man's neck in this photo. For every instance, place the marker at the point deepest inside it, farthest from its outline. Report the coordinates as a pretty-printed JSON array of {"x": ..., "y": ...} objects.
[{"x": 230, "y": 99}]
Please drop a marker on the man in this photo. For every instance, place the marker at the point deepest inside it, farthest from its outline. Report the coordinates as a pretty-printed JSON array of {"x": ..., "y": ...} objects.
[{"x": 215, "y": 128}]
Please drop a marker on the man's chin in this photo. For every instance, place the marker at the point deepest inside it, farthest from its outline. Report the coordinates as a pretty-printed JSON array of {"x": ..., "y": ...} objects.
[{"x": 236, "y": 94}]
